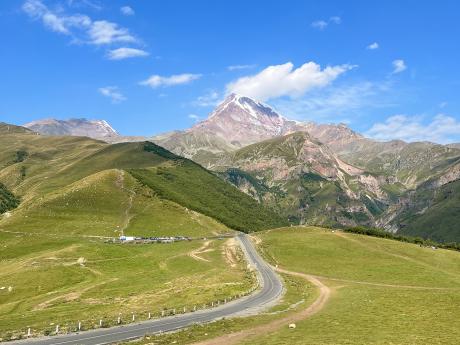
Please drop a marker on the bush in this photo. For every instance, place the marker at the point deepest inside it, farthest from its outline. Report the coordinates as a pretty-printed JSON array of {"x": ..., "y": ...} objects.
[{"x": 402, "y": 238}]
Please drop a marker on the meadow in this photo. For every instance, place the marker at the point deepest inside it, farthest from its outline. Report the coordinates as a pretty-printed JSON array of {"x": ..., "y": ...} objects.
[
  {"x": 49, "y": 280},
  {"x": 382, "y": 291}
]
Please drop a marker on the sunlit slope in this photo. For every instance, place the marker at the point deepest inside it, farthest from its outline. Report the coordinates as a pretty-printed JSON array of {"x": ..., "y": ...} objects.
[
  {"x": 109, "y": 203},
  {"x": 59, "y": 181},
  {"x": 190, "y": 185},
  {"x": 383, "y": 291}
]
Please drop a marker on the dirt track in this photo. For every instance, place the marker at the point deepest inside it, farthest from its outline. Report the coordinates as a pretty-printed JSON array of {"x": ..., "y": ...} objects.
[{"x": 316, "y": 306}]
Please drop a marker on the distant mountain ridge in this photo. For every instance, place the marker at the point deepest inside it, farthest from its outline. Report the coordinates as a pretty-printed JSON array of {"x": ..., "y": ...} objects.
[
  {"x": 74, "y": 127},
  {"x": 321, "y": 173}
]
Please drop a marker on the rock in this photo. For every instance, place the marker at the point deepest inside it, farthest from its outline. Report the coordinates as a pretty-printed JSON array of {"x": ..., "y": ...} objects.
[{"x": 292, "y": 326}]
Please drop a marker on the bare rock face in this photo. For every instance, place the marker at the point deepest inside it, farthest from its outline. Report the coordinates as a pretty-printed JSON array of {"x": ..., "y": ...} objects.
[{"x": 97, "y": 129}]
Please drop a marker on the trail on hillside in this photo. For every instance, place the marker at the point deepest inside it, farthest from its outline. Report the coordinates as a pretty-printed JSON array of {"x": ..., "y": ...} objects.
[
  {"x": 195, "y": 254},
  {"x": 315, "y": 307},
  {"x": 120, "y": 182}
]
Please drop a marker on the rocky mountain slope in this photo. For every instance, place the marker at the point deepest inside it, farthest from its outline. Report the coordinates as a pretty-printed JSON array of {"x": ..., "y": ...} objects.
[
  {"x": 75, "y": 127},
  {"x": 325, "y": 173},
  {"x": 306, "y": 181}
]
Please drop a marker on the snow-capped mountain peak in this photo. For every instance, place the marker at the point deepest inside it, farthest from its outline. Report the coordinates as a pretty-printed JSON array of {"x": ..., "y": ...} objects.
[{"x": 98, "y": 129}]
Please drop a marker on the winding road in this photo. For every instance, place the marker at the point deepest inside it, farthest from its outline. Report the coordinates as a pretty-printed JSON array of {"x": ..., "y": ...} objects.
[{"x": 270, "y": 291}]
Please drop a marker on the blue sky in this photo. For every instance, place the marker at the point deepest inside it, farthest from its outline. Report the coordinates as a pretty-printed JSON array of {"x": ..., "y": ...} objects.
[{"x": 388, "y": 69}]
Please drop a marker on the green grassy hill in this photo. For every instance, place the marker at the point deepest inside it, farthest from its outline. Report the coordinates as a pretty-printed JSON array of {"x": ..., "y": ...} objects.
[
  {"x": 46, "y": 172},
  {"x": 383, "y": 291},
  {"x": 56, "y": 266}
]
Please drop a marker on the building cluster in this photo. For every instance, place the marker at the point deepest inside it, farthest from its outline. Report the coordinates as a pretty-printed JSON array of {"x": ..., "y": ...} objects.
[{"x": 131, "y": 239}]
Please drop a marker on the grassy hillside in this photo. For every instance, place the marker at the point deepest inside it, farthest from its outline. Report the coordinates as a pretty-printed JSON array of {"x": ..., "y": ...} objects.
[
  {"x": 189, "y": 185},
  {"x": 383, "y": 291},
  {"x": 56, "y": 267},
  {"x": 45, "y": 172},
  {"x": 49, "y": 279},
  {"x": 109, "y": 203}
]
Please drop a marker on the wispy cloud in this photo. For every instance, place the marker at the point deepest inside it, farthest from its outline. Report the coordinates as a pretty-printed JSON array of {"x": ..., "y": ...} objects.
[
  {"x": 210, "y": 99},
  {"x": 336, "y": 103},
  {"x": 398, "y": 66},
  {"x": 239, "y": 67},
  {"x": 105, "y": 32},
  {"x": 283, "y": 80},
  {"x": 125, "y": 53},
  {"x": 156, "y": 81},
  {"x": 319, "y": 24},
  {"x": 113, "y": 93},
  {"x": 194, "y": 117},
  {"x": 441, "y": 129},
  {"x": 323, "y": 24},
  {"x": 80, "y": 27},
  {"x": 373, "y": 46},
  {"x": 127, "y": 11}
]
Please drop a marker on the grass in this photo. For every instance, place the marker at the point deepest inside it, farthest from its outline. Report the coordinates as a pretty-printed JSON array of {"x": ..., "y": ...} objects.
[
  {"x": 361, "y": 313},
  {"x": 299, "y": 294},
  {"x": 122, "y": 205},
  {"x": 61, "y": 280}
]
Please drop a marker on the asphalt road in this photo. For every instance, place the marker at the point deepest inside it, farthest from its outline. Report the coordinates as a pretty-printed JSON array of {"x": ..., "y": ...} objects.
[{"x": 271, "y": 290}]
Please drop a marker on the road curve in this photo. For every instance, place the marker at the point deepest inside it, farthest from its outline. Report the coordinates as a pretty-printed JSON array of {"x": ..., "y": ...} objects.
[{"x": 271, "y": 289}]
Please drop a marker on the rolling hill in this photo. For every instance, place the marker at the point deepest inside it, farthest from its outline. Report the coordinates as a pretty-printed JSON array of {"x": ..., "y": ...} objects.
[{"x": 52, "y": 173}]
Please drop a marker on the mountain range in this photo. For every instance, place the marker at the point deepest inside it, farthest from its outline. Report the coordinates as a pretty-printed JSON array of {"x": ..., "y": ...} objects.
[{"x": 313, "y": 173}]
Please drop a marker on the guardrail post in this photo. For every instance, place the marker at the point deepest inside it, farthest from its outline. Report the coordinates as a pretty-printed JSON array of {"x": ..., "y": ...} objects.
[
  {"x": 100, "y": 322},
  {"x": 134, "y": 317},
  {"x": 119, "y": 319},
  {"x": 57, "y": 329},
  {"x": 194, "y": 308},
  {"x": 28, "y": 332},
  {"x": 162, "y": 313},
  {"x": 184, "y": 310},
  {"x": 174, "y": 311},
  {"x": 79, "y": 325},
  {"x": 150, "y": 316}
]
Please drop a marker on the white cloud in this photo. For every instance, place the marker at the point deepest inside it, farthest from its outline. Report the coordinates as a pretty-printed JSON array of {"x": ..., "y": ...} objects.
[
  {"x": 443, "y": 104},
  {"x": 335, "y": 20},
  {"x": 319, "y": 24},
  {"x": 373, "y": 46},
  {"x": 399, "y": 66},
  {"x": 194, "y": 117},
  {"x": 55, "y": 22},
  {"x": 113, "y": 93},
  {"x": 239, "y": 67},
  {"x": 155, "y": 81},
  {"x": 125, "y": 53},
  {"x": 127, "y": 11},
  {"x": 322, "y": 24},
  {"x": 212, "y": 98},
  {"x": 283, "y": 80},
  {"x": 81, "y": 27},
  {"x": 441, "y": 129},
  {"x": 105, "y": 32}
]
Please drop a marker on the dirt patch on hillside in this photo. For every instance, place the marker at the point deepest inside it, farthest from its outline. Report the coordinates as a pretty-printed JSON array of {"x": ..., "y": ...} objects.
[
  {"x": 230, "y": 252},
  {"x": 195, "y": 254}
]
